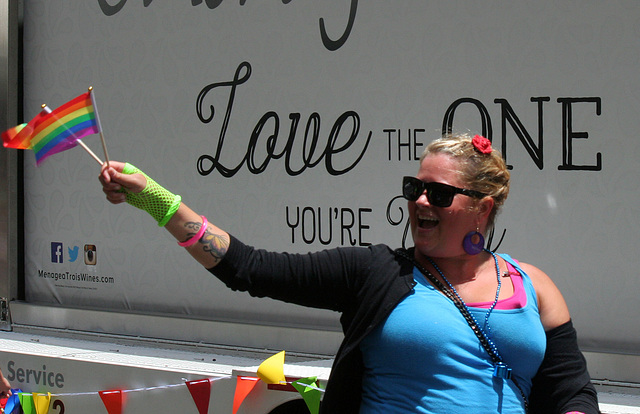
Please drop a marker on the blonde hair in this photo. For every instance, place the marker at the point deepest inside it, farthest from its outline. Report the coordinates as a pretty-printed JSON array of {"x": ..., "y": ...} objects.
[{"x": 486, "y": 173}]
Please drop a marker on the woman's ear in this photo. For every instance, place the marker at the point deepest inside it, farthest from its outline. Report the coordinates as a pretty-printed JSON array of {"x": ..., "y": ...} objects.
[{"x": 485, "y": 206}]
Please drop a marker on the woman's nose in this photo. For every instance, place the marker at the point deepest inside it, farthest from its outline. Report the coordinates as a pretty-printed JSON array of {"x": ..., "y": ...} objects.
[{"x": 423, "y": 199}]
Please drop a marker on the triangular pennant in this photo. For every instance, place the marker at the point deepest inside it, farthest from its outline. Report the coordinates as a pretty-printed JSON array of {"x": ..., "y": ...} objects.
[
  {"x": 113, "y": 401},
  {"x": 41, "y": 402},
  {"x": 26, "y": 402},
  {"x": 200, "y": 392},
  {"x": 13, "y": 401},
  {"x": 244, "y": 385},
  {"x": 311, "y": 396},
  {"x": 271, "y": 370}
]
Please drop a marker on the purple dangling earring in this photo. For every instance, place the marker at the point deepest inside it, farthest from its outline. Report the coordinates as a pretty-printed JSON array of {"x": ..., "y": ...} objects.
[{"x": 473, "y": 242}]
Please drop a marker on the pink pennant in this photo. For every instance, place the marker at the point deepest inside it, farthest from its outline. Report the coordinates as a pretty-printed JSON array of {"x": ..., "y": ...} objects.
[
  {"x": 244, "y": 385},
  {"x": 200, "y": 392},
  {"x": 113, "y": 401}
]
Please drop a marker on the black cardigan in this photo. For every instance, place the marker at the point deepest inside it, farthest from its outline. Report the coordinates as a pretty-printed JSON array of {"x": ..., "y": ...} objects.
[{"x": 364, "y": 284}]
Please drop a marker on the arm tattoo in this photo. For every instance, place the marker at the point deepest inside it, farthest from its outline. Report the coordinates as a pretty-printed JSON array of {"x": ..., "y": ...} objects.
[{"x": 214, "y": 244}]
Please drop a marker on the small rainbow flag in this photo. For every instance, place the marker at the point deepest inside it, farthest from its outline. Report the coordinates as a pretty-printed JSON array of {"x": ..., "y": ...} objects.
[
  {"x": 51, "y": 132},
  {"x": 17, "y": 137},
  {"x": 60, "y": 129}
]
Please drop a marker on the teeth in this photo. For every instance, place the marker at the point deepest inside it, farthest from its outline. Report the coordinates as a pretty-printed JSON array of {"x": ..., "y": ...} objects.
[
  {"x": 427, "y": 218},
  {"x": 427, "y": 222}
]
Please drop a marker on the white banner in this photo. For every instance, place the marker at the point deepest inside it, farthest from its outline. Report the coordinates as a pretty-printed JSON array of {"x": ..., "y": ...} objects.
[{"x": 290, "y": 124}]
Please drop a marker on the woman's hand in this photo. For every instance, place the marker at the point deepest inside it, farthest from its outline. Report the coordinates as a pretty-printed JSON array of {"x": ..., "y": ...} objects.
[
  {"x": 115, "y": 183},
  {"x": 5, "y": 386}
]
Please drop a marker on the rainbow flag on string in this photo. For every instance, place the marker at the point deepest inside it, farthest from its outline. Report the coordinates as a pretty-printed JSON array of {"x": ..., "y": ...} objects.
[{"x": 51, "y": 132}]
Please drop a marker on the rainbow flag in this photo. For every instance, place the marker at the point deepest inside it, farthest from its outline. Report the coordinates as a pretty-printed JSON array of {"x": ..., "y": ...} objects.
[
  {"x": 17, "y": 137},
  {"x": 60, "y": 129},
  {"x": 51, "y": 132}
]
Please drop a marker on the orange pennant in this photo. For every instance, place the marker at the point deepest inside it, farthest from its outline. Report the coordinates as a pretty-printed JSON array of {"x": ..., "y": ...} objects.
[
  {"x": 244, "y": 385},
  {"x": 200, "y": 392},
  {"x": 113, "y": 401}
]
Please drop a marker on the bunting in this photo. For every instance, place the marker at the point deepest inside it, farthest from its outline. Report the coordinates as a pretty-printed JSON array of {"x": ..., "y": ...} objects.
[
  {"x": 26, "y": 402},
  {"x": 41, "y": 402},
  {"x": 271, "y": 371},
  {"x": 113, "y": 401},
  {"x": 201, "y": 393},
  {"x": 310, "y": 392},
  {"x": 244, "y": 386},
  {"x": 10, "y": 403}
]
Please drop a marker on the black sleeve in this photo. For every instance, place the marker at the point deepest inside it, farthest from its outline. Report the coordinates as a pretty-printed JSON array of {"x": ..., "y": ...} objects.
[
  {"x": 562, "y": 383},
  {"x": 321, "y": 279}
]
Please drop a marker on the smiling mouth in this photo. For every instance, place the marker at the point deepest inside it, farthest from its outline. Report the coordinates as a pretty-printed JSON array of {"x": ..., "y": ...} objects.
[{"x": 427, "y": 222}]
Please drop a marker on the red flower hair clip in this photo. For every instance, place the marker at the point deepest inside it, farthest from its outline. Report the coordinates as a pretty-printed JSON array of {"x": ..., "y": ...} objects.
[{"x": 482, "y": 144}]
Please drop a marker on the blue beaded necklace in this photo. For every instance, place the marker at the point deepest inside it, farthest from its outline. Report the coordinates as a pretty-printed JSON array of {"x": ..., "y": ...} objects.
[
  {"x": 501, "y": 370},
  {"x": 493, "y": 305}
]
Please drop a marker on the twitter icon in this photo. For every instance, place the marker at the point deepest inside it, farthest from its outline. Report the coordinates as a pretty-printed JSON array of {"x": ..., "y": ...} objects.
[{"x": 73, "y": 253}]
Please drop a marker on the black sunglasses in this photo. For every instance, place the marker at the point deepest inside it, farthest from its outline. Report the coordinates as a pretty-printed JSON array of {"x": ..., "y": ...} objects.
[{"x": 438, "y": 194}]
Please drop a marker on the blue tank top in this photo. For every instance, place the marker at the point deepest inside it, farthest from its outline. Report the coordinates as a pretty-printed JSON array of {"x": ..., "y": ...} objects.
[{"x": 426, "y": 359}]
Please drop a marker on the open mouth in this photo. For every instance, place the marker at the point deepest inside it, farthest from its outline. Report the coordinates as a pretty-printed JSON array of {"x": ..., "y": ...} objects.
[{"x": 425, "y": 222}]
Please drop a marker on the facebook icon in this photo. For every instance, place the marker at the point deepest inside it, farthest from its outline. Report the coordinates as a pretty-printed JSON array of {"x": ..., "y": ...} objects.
[{"x": 56, "y": 252}]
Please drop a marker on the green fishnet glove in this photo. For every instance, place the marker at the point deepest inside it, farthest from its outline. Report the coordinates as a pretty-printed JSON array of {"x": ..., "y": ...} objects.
[{"x": 154, "y": 199}]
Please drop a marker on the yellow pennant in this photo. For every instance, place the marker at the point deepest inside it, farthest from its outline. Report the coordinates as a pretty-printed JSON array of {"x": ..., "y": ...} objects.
[
  {"x": 271, "y": 370},
  {"x": 41, "y": 402}
]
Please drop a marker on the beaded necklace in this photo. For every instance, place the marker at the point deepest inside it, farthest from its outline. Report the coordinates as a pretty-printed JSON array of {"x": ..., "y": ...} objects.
[
  {"x": 501, "y": 370},
  {"x": 493, "y": 305}
]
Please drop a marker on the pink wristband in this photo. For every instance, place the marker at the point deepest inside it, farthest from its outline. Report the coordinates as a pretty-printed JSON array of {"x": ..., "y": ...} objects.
[{"x": 197, "y": 236}]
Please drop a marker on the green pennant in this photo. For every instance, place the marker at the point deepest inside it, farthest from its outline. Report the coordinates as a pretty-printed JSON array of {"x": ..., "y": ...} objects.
[
  {"x": 26, "y": 402},
  {"x": 307, "y": 387}
]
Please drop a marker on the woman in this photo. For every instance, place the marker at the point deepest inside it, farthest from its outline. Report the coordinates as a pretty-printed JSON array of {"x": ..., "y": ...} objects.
[{"x": 446, "y": 326}]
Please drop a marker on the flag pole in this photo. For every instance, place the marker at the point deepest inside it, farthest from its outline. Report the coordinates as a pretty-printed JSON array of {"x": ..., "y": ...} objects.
[
  {"x": 82, "y": 144},
  {"x": 95, "y": 112}
]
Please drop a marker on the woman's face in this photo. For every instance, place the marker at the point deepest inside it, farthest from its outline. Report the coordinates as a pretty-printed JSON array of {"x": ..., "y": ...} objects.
[{"x": 439, "y": 231}]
